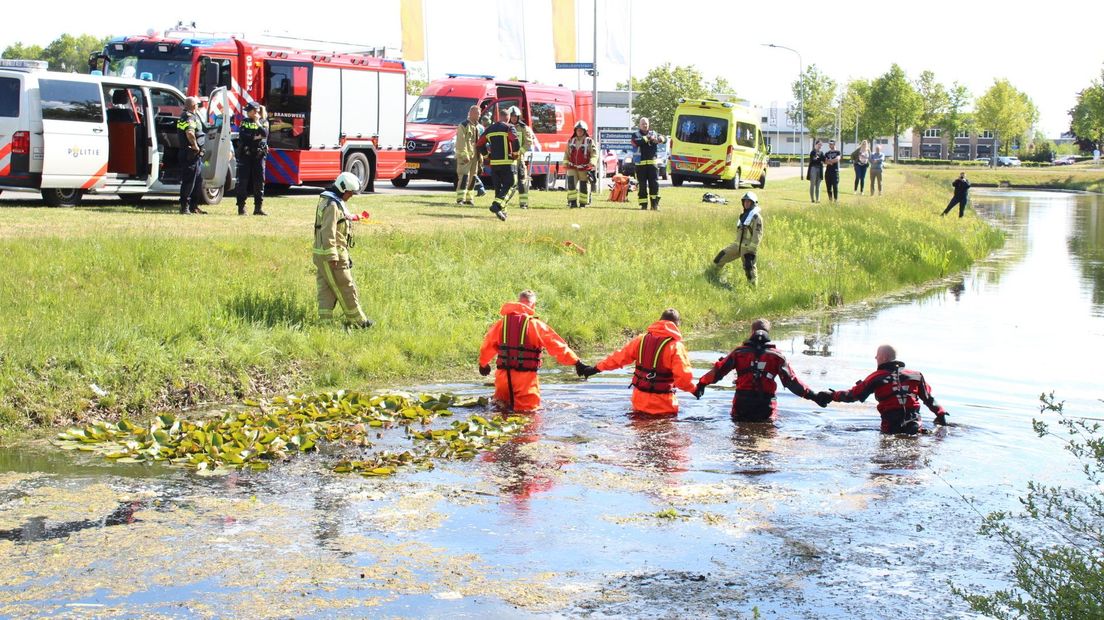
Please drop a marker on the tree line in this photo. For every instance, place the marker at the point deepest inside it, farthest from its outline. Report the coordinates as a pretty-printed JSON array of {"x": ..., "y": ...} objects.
[{"x": 65, "y": 53}]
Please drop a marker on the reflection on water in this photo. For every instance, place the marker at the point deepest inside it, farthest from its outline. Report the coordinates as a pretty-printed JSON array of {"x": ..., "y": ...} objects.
[{"x": 593, "y": 512}]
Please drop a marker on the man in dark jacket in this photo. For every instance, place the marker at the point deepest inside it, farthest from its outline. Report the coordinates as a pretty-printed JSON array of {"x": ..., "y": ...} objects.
[
  {"x": 252, "y": 151},
  {"x": 961, "y": 195},
  {"x": 500, "y": 143},
  {"x": 646, "y": 143}
]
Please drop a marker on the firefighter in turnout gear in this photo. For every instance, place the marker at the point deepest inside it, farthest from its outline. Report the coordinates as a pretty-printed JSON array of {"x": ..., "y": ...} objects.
[
  {"x": 332, "y": 240},
  {"x": 746, "y": 245},
  {"x": 518, "y": 340},
  {"x": 468, "y": 161},
  {"x": 189, "y": 128},
  {"x": 581, "y": 159},
  {"x": 252, "y": 151},
  {"x": 661, "y": 366},
  {"x": 499, "y": 143},
  {"x": 758, "y": 365},
  {"x": 898, "y": 390},
  {"x": 646, "y": 143},
  {"x": 526, "y": 138}
]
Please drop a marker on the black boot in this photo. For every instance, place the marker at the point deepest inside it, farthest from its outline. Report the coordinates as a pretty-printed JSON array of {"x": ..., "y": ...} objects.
[
  {"x": 241, "y": 209},
  {"x": 655, "y": 204}
]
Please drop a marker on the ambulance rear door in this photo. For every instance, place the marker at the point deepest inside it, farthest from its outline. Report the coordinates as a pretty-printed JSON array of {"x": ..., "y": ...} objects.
[{"x": 74, "y": 133}]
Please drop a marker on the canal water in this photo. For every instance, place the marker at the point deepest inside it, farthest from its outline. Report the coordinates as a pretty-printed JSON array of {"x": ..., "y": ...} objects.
[{"x": 593, "y": 513}]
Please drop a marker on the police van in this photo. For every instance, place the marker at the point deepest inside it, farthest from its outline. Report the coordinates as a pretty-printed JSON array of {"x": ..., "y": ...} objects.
[
  {"x": 716, "y": 142},
  {"x": 68, "y": 135}
]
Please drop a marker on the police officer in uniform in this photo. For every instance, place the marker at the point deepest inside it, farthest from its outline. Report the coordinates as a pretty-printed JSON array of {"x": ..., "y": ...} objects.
[
  {"x": 189, "y": 127},
  {"x": 252, "y": 151},
  {"x": 499, "y": 143},
  {"x": 525, "y": 143},
  {"x": 332, "y": 240},
  {"x": 646, "y": 142}
]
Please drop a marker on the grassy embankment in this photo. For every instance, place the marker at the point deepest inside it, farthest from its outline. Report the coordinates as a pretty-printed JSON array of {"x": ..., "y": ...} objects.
[
  {"x": 163, "y": 311},
  {"x": 1059, "y": 177}
]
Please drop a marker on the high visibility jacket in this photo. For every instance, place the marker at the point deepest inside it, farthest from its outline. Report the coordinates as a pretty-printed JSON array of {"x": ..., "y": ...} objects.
[
  {"x": 581, "y": 153},
  {"x": 757, "y": 367},
  {"x": 646, "y": 145},
  {"x": 500, "y": 142},
  {"x": 750, "y": 229},
  {"x": 525, "y": 136},
  {"x": 332, "y": 234},
  {"x": 190, "y": 122},
  {"x": 898, "y": 391},
  {"x": 521, "y": 388},
  {"x": 467, "y": 134},
  {"x": 672, "y": 358},
  {"x": 253, "y": 138}
]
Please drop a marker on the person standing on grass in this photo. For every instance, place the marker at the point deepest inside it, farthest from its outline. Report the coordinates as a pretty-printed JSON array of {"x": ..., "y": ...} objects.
[
  {"x": 816, "y": 172},
  {"x": 332, "y": 240},
  {"x": 192, "y": 135},
  {"x": 646, "y": 143},
  {"x": 518, "y": 341},
  {"x": 252, "y": 151},
  {"x": 961, "y": 195},
  {"x": 877, "y": 164},
  {"x": 662, "y": 366},
  {"x": 746, "y": 245},
  {"x": 468, "y": 162},
  {"x": 860, "y": 159},
  {"x": 758, "y": 366},
  {"x": 832, "y": 170}
]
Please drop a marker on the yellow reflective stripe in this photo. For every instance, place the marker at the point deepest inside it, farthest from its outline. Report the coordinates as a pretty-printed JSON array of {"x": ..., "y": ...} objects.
[
  {"x": 659, "y": 349},
  {"x": 502, "y": 162},
  {"x": 335, "y": 289},
  {"x": 325, "y": 252},
  {"x": 496, "y": 134},
  {"x": 645, "y": 162}
]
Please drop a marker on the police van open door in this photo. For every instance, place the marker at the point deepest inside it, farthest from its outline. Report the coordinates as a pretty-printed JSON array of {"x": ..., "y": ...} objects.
[
  {"x": 74, "y": 138},
  {"x": 218, "y": 151}
]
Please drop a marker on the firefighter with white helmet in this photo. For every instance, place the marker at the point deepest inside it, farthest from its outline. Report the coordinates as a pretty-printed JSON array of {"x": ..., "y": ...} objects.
[
  {"x": 332, "y": 240},
  {"x": 746, "y": 245},
  {"x": 581, "y": 159},
  {"x": 525, "y": 143}
]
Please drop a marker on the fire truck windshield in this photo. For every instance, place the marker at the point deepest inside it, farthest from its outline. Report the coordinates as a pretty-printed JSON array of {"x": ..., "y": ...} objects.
[
  {"x": 430, "y": 110},
  {"x": 173, "y": 72}
]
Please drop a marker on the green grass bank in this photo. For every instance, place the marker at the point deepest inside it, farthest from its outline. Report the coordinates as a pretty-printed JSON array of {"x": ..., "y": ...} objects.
[
  {"x": 161, "y": 311},
  {"x": 1080, "y": 177}
]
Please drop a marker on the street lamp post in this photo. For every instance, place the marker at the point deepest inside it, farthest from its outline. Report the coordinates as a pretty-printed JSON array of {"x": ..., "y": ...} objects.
[{"x": 801, "y": 102}]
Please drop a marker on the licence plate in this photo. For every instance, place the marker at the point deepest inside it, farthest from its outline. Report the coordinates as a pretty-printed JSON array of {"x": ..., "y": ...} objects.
[{"x": 413, "y": 165}]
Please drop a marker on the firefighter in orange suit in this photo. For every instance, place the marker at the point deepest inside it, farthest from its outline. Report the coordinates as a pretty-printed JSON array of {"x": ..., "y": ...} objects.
[
  {"x": 518, "y": 340},
  {"x": 661, "y": 366}
]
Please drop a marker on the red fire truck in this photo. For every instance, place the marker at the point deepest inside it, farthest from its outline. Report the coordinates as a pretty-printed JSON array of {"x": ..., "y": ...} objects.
[{"x": 329, "y": 112}]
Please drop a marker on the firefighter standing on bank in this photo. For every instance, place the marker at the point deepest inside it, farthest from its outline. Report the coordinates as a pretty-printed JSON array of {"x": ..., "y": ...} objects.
[
  {"x": 525, "y": 144},
  {"x": 581, "y": 159},
  {"x": 517, "y": 340},
  {"x": 746, "y": 245},
  {"x": 499, "y": 143},
  {"x": 252, "y": 151},
  {"x": 189, "y": 127},
  {"x": 662, "y": 365},
  {"x": 332, "y": 240},
  {"x": 646, "y": 142},
  {"x": 468, "y": 162}
]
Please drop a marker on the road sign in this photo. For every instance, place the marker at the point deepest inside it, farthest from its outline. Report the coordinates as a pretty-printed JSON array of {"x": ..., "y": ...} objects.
[
  {"x": 615, "y": 139},
  {"x": 574, "y": 65}
]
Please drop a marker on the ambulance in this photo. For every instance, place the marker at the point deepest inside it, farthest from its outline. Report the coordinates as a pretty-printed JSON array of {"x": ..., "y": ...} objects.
[
  {"x": 717, "y": 143},
  {"x": 69, "y": 135}
]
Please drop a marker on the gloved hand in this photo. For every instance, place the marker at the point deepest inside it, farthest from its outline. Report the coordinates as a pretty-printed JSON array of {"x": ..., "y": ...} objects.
[
  {"x": 822, "y": 398},
  {"x": 485, "y": 370},
  {"x": 585, "y": 371},
  {"x": 699, "y": 391},
  {"x": 941, "y": 419}
]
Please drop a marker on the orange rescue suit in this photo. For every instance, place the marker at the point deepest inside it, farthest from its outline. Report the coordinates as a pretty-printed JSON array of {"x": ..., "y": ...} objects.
[
  {"x": 672, "y": 358},
  {"x": 538, "y": 335}
]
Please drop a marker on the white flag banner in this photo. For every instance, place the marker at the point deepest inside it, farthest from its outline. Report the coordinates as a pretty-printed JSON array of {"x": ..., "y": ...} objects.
[
  {"x": 509, "y": 29},
  {"x": 617, "y": 31}
]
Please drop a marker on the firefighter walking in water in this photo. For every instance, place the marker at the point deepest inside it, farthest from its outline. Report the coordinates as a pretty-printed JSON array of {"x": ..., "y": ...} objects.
[
  {"x": 526, "y": 138},
  {"x": 468, "y": 161},
  {"x": 646, "y": 142},
  {"x": 898, "y": 390},
  {"x": 758, "y": 364},
  {"x": 518, "y": 340},
  {"x": 252, "y": 151},
  {"x": 661, "y": 366},
  {"x": 332, "y": 240},
  {"x": 581, "y": 159},
  {"x": 499, "y": 143}
]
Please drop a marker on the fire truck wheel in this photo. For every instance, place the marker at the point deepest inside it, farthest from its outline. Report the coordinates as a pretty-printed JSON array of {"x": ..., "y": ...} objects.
[
  {"x": 400, "y": 181},
  {"x": 62, "y": 197},
  {"x": 358, "y": 164}
]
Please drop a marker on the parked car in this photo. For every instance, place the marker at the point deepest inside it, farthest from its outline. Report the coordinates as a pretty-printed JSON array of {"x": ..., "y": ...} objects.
[
  {"x": 629, "y": 159},
  {"x": 1008, "y": 161},
  {"x": 1065, "y": 160},
  {"x": 984, "y": 160}
]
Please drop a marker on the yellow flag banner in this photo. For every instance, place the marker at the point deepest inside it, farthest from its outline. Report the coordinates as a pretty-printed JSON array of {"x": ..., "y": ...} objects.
[
  {"x": 413, "y": 31},
  {"x": 563, "y": 30}
]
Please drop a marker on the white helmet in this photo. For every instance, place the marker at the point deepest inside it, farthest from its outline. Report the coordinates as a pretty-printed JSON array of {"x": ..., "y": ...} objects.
[
  {"x": 750, "y": 196},
  {"x": 514, "y": 111},
  {"x": 347, "y": 182},
  {"x": 583, "y": 125}
]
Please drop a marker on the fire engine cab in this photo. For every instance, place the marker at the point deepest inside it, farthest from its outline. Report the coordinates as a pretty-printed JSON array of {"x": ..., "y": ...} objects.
[
  {"x": 550, "y": 111},
  {"x": 328, "y": 112}
]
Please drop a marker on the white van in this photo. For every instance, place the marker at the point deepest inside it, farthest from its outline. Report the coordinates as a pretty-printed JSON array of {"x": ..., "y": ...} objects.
[{"x": 68, "y": 135}]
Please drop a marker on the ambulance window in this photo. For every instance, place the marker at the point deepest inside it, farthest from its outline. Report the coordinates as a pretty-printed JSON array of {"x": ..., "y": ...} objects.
[
  {"x": 9, "y": 97},
  {"x": 745, "y": 134},
  {"x": 543, "y": 116},
  {"x": 71, "y": 101},
  {"x": 701, "y": 129}
]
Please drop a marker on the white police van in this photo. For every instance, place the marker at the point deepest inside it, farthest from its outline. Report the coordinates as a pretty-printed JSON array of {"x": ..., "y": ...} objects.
[{"x": 67, "y": 135}]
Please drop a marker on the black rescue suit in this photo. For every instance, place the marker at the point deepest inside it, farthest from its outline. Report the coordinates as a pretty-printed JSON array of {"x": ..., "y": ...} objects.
[
  {"x": 899, "y": 392},
  {"x": 758, "y": 364},
  {"x": 500, "y": 143},
  {"x": 647, "y": 172}
]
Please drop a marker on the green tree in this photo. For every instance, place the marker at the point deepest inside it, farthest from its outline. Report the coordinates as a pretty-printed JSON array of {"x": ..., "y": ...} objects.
[
  {"x": 22, "y": 52},
  {"x": 933, "y": 103},
  {"x": 956, "y": 119},
  {"x": 1007, "y": 112},
  {"x": 1088, "y": 114},
  {"x": 894, "y": 105},
  {"x": 661, "y": 89},
  {"x": 65, "y": 53},
  {"x": 853, "y": 110},
  {"x": 818, "y": 92},
  {"x": 415, "y": 82}
]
